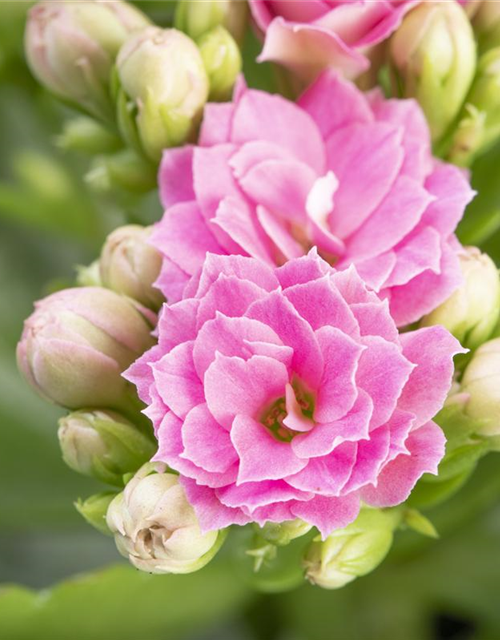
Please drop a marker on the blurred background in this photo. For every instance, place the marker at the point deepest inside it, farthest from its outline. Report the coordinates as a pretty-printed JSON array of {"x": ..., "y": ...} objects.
[{"x": 61, "y": 579}]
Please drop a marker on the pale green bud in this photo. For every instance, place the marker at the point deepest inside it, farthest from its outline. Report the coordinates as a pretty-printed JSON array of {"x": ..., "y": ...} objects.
[
  {"x": 125, "y": 170},
  {"x": 88, "y": 276},
  {"x": 196, "y": 17},
  {"x": 156, "y": 528},
  {"x": 281, "y": 534},
  {"x": 103, "y": 444},
  {"x": 86, "y": 135},
  {"x": 472, "y": 312},
  {"x": 353, "y": 551},
  {"x": 222, "y": 60},
  {"x": 94, "y": 510},
  {"x": 433, "y": 55},
  {"x": 479, "y": 125},
  {"x": 71, "y": 46},
  {"x": 163, "y": 87},
  {"x": 486, "y": 24}
]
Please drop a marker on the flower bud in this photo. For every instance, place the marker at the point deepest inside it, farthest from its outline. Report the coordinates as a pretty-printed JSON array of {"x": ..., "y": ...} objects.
[
  {"x": 486, "y": 24},
  {"x": 353, "y": 551},
  {"x": 78, "y": 341},
  {"x": 479, "y": 124},
  {"x": 196, "y": 17},
  {"x": 222, "y": 60},
  {"x": 481, "y": 383},
  {"x": 71, "y": 47},
  {"x": 103, "y": 444},
  {"x": 472, "y": 312},
  {"x": 155, "y": 527},
  {"x": 281, "y": 534},
  {"x": 130, "y": 265},
  {"x": 86, "y": 135},
  {"x": 163, "y": 87},
  {"x": 126, "y": 170},
  {"x": 94, "y": 510},
  {"x": 434, "y": 58}
]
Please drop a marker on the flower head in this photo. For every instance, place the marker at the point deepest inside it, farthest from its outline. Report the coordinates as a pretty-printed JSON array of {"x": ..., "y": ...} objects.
[
  {"x": 284, "y": 393},
  {"x": 347, "y": 172}
]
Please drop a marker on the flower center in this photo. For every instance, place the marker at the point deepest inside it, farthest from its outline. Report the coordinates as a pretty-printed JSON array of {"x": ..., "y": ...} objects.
[{"x": 274, "y": 418}]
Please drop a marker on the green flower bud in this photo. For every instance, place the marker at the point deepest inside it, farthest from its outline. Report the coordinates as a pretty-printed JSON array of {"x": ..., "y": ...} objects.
[
  {"x": 472, "y": 312},
  {"x": 479, "y": 125},
  {"x": 71, "y": 46},
  {"x": 196, "y": 17},
  {"x": 162, "y": 88},
  {"x": 123, "y": 170},
  {"x": 155, "y": 527},
  {"x": 130, "y": 265},
  {"x": 88, "y": 276},
  {"x": 94, "y": 510},
  {"x": 222, "y": 60},
  {"x": 433, "y": 56},
  {"x": 103, "y": 444},
  {"x": 281, "y": 534},
  {"x": 353, "y": 551},
  {"x": 86, "y": 135},
  {"x": 486, "y": 24}
]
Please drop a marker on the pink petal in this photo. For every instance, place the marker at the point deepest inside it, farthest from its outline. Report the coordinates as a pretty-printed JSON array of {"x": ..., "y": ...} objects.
[
  {"x": 252, "y": 495},
  {"x": 175, "y": 176},
  {"x": 216, "y": 124},
  {"x": 426, "y": 447},
  {"x": 234, "y": 386},
  {"x": 418, "y": 253},
  {"x": 374, "y": 319},
  {"x": 304, "y": 269},
  {"x": 295, "y": 419},
  {"x": 140, "y": 374},
  {"x": 374, "y": 271},
  {"x": 177, "y": 323},
  {"x": 172, "y": 280},
  {"x": 276, "y": 230},
  {"x": 371, "y": 455},
  {"x": 328, "y": 514},
  {"x": 262, "y": 456},
  {"x": 254, "y": 153}
]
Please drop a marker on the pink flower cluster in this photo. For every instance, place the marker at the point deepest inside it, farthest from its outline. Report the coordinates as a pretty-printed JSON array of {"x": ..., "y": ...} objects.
[
  {"x": 287, "y": 392},
  {"x": 347, "y": 172}
]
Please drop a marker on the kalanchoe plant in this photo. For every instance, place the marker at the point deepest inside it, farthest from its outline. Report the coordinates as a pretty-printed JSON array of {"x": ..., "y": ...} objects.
[{"x": 197, "y": 18}]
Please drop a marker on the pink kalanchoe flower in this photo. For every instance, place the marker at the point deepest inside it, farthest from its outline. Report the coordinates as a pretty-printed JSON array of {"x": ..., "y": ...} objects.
[
  {"x": 347, "y": 172},
  {"x": 287, "y": 392},
  {"x": 309, "y": 35}
]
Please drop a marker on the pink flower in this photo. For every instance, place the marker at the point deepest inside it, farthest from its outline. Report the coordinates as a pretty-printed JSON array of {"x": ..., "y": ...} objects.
[
  {"x": 281, "y": 393},
  {"x": 307, "y": 36},
  {"x": 347, "y": 172}
]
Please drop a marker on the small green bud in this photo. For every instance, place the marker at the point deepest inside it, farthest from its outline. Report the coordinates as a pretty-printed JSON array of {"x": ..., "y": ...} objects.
[
  {"x": 94, "y": 510},
  {"x": 88, "y": 276},
  {"x": 222, "y": 60},
  {"x": 162, "y": 87},
  {"x": 196, "y": 17},
  {"x": 433, "y": 56},
  {"x": 472, "y": 312},
  {"x": 86, "y": 135},
  {"x": 353, "y": 551},
  {"x": 486, "y": 24},
  {"x": 281, "y": 534},
  {"x": 103, "y": 444},
  {"x": 123, "y": 170}
]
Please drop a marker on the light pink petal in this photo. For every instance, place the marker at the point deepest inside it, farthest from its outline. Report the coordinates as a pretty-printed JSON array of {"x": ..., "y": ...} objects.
[
  {"x": 327, "y": 475},
  {"x": 420, "y": 252},
  {"x": 254, "y": 153},
  {"x": 300, "y": 10},
  {"x": 276, "y": 230},
  {"x": 262, "y": 456},
  {"x": 175, "y": 176},
  {"x": 176, "y": 380},
  {"x": 352, "y": 288},
  {"x": 400, "y": 424},
  {"x": 371, "y": 455},
  {"x": 240, "y": 337},
  {"x": 140, "y": 374},
  {"x": 397, "y": 479},
  {"x": 374, "y": 271},
  {"x": 216, "y": 124},
  {"x": 234, "y": 386},
  {"x": 211, "y": 513},
  {"x": 206, "y": 443},
  {"x": 337, "y": 392},
  {"x": 278, "y": 512},
  {"x": 184, "y": 237},
  {"x": 399, "y": 213},
  {"x": 307, "y": 49},
  {"x": 172, "y": 280},
  {"x": 261, "y": 13},
  {"x": 389, "y": 24},
  {"x": 374, "y": 319},
  {"x": 335, "y": 103},
  {"x": 304, "y": 269},
  {"x": 382, "y": 372},
  {"x": 328, "y": 514},
  {"x": 241, "y": 267},
  {"x": 372, "y": 153},
  {"x": 431, "y": 349},
  {"x": 252, "y": 495},
  {"x": 177, "y": 323},
  {"x": 236, "y": 219},
  {"x": 321, "y": 304},
  {"x": 323, "y": 439},
  {"x": 261, "y": 116},
  {"x": 278, "y": 313}
]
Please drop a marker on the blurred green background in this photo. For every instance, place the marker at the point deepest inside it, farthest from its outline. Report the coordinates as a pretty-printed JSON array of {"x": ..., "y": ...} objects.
[{"x": 59, "y": 578}]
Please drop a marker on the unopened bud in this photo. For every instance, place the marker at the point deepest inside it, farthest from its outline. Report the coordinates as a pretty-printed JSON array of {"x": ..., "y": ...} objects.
[
  {"x": 353, "y": 551},
  {"x": 222, "y": 60},
  {"x": 76, "y": 344},
  {"x": 196, "y": 17},
  {"x": 125, "y": 170},
  {"x": 155, "y": 527},
  {"x": 86, "y": 135},
  {"x": 163, "y": 87},
  {"x": 281, "y": 534},
  {"x": 71, "y": 46},
  {"x": 472, "y": 312},
  {"x": 103, "y": 444},
  {"x": 94, "y": 510},
  {"x": 130, "y": 265},
  {"x": 433, "y": 55},
  {"x": 486, "y": 24}
]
